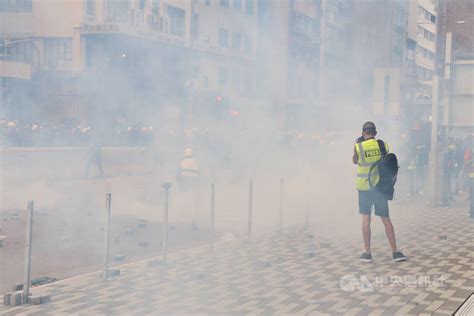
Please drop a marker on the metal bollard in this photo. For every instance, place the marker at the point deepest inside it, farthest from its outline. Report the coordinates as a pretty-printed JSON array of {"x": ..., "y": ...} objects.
[
  {"x": 280, "y": 225},
  {"x": 28, "y": 245},
  {"x": 108, "y": 205},
  {"x": 471, "y": 195},
  {"x": 249, "y": 226},
  {"x": 306, "y": 217},
  {"x": 212, "y": 204},
  {"x": 166, "y": 187}
]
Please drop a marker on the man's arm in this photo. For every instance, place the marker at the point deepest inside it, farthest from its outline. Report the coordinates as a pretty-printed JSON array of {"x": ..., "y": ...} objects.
[{"x": 355, "y": 158}]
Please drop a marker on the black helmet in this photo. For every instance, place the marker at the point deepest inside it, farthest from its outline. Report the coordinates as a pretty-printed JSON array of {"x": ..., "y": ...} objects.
[{"x": 369, "y": 127}]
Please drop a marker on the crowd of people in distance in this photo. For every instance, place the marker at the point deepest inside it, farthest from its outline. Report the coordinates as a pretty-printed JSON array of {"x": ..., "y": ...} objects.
[
  {"x": 457, "y": 161},
  {"x": 68, "y": 134},
  {"x": 39, "y": 134}
]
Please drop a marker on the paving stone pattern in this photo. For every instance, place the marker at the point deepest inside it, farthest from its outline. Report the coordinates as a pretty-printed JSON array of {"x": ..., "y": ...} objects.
[{"x": 299, "y": 272}]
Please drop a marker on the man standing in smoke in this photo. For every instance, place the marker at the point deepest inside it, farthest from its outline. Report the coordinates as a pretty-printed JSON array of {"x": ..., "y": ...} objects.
[
  {"x": 94, "y": 155},
  {"x": 367, "y": 152},
  {"x": 188, "y": 180}
]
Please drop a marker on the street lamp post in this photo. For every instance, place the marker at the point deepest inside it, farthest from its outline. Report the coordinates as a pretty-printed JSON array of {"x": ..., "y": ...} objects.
[{"x": 441, "y": 102}]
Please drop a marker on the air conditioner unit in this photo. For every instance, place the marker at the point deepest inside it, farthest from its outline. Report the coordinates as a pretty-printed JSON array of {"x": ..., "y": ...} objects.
[{"x": 166, "y": 24}]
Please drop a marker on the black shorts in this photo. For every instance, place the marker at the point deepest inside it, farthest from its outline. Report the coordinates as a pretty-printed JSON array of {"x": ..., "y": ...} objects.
[{"x": 375, "y": 198}]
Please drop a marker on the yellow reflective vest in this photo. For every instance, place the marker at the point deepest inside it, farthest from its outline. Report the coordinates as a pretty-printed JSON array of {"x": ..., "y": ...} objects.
[
  {"x": 189, "y": 167},
  {"x": 368, "y": 153}
]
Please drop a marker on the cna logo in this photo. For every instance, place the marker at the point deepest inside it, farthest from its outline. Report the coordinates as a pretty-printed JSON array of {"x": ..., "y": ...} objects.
[{"x": 349, "y": 283}]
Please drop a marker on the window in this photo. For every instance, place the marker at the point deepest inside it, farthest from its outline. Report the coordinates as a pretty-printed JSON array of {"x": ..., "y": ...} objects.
[
  {"x": 420, "y": 31},
  {"x": 224, "y": 3},
  {"x": 155, "y": 8},
  {"x": 207, "y": 3},
  {"x": 57, "y": 51},
  {"x": 428, "y": 35},
  {"x": 176, "y": 16},
  {"x": 247, "y": 44},
  {"x": 90, "y": 7},
  {"x": 16, "y": 5},
  {"x": 425, "y": 53},
  {"x": 237, "y": 4},
  {"x": 424, "y": 73},
  {"x": 236, "y": 41},
  {"x": 249, "y": 7},
  {"x": 223, "y": 77},
  {"x": 141, "y": 4},
  {"x": 398, "y": 41},
  {"x": 223, "y": 38},
  {"x": 247, "y": 82},
  {"x": 117, "y": 10},
  {"x": 427, "y": 16},
  {"x": 20, "y": 51},
  {"x": 235, "y": 80}
]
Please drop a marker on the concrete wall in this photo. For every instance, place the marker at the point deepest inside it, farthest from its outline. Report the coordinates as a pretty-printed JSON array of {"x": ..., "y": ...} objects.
[{"x": 16, "y": 24}]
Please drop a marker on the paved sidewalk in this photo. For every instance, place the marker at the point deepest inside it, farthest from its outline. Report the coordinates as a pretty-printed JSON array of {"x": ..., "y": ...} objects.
[{"x": 300, "y": 272}]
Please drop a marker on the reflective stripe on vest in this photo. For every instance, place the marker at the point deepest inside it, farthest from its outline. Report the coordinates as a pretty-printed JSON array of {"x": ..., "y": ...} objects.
[{"x": 368, "y": 153}]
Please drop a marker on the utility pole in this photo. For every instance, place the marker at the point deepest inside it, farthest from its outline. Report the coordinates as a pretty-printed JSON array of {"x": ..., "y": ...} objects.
[
  {"x": 436, "y": 156},
  {"x": 322, "y": 48}
]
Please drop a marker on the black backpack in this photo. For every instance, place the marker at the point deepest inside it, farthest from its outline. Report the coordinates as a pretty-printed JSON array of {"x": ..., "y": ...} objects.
[{"x": 388, "y": 171}]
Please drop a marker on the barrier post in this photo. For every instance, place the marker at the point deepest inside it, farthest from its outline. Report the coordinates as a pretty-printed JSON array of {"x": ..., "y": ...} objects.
[
  {"x": 280, "y": 225},
  {"x": 28, "y": 245},
  {"x": 306, "y": 217},
  {"x": 108, "y": 205},
  {"x": 249, "y": 224},
  {"x": 212, "y": 205},
  {"x": 166, "y": 188}
]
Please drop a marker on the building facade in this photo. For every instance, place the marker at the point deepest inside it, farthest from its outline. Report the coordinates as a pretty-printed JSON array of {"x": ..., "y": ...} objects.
[
  {"x": 84, "y": 58},
  {"x": 420, "y": 59},
  {"x": 379, "y": 37},
  {"x": 288, "y": 52},
  {"x": 223, "y": 57},
  {"x": 457, "y": 18},
  {"x": 422, "y": 15}
]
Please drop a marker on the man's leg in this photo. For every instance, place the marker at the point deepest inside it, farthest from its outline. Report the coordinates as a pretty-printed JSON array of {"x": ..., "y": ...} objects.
[
  {"x": 390, "y": 232},
  {"x": 366, "y": 231}
]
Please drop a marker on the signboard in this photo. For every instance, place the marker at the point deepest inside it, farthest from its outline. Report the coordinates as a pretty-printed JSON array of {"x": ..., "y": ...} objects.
[
  {"x": 131, "y": 30},
  {"x": 99, "y": 28}
]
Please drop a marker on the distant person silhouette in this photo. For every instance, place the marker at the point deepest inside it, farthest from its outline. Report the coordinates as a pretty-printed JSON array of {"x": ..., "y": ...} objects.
[{"x": 94, "y": 156}]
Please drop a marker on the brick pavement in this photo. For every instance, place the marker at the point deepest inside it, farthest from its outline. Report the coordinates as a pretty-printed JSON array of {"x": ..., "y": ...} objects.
[{"x": 299, "y": 272}]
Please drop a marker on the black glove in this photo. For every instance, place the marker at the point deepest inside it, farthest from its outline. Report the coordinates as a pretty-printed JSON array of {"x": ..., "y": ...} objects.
[{"x": 360, "y": 139}]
